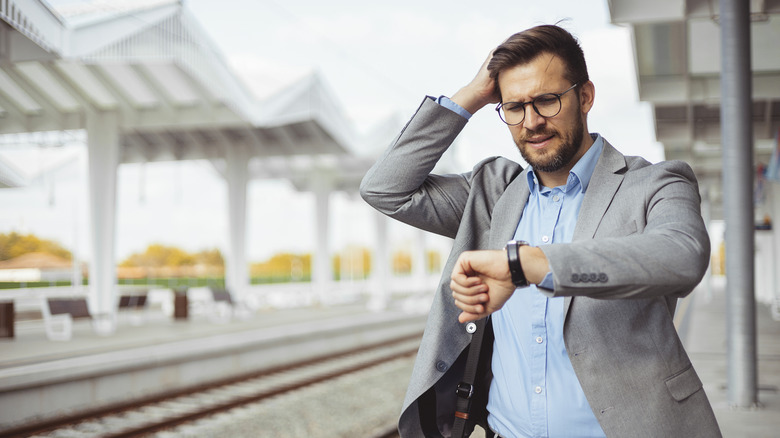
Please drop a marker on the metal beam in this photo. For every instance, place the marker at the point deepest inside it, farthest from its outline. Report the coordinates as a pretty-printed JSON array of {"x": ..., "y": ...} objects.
[{"x": 737, "y": 140}]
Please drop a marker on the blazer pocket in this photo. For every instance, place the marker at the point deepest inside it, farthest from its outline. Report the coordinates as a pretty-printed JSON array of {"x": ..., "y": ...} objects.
[{"x": 684, "y": 384}]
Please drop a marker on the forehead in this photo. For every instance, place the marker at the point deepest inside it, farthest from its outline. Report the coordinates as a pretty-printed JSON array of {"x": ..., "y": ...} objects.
[{"x": 543, "y": 74}]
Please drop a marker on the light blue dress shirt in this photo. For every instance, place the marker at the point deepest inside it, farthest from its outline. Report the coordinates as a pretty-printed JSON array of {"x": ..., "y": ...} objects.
[{"x": 534, "y": 391}]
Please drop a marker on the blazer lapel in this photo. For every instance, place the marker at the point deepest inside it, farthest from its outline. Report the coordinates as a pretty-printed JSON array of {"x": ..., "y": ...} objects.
[
  {"x": 604, "y": 183},
  {"x": 507, "y": 211}
]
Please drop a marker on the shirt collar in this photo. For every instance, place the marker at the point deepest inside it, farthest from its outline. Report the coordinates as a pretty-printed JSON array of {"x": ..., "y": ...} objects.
[{"x": 582, "y": 170}]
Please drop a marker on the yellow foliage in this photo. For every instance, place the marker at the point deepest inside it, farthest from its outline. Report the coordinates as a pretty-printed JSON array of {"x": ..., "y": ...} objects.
[
  {"x": 296, "y": 266},
  {"x": 158, "y": 255},
  {"x": 434, "y": 261},
  {"x": 357, "y": 262},
  {"x": 402, "y": 262},
  {"x": 14, "y": 244}
]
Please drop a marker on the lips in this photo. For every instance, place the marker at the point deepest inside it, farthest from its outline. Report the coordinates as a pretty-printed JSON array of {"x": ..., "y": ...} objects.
[{"x": 539, "y": 141}]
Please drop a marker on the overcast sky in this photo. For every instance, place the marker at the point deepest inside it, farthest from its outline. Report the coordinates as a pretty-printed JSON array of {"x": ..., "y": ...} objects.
[{"x": 379, "y": 59}]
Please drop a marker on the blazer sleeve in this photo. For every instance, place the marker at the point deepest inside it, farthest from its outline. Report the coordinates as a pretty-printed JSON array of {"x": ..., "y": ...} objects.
[
  {"x": 400, "y": 185},
  {"x": 652, "y": 241}
]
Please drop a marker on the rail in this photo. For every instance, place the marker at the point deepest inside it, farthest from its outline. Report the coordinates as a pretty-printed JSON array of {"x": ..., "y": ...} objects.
[{"x": 183, "y": 407}]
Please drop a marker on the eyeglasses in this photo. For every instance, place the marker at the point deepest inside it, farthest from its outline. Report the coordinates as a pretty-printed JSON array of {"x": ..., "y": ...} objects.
[{"x": 546, "y": 105}]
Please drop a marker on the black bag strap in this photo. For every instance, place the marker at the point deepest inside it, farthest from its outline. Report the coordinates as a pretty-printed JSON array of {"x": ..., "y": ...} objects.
[{"x": 465, "y": 389}]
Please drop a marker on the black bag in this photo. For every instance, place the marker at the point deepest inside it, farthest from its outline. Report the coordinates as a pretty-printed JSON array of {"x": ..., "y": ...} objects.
[{"x": 472, "y": 391}]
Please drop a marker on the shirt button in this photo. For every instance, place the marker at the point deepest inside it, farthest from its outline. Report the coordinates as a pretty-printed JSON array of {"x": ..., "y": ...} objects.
[
  {"x": 441, "y": 366},
  {"x": 539, "y": 340},
  {"x": 538, "y": 389},
  {"x": 556, "y": 198},
  {"x": 545, "y": 239}
]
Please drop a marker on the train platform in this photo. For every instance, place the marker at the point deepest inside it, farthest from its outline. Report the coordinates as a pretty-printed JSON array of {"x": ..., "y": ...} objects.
[
  {"x": 41, "y": 379},
  {"x": 30, "y": 358},
  {"x": 705, "y": 339},
  {"x": 31, "y": 346}
]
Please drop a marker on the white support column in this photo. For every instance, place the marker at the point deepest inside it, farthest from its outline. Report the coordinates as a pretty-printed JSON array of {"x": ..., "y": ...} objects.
[
  {"x": 236, "y": 270},
  {"x": 380, "y": 267},
  {"x": 322, "y": 271},
  {"x": 103, "y": 147}
]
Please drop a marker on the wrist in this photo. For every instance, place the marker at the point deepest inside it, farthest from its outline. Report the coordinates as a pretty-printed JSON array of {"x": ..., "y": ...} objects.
[
  {"x": 469, "y": 100},
  {"x": 519, "y": 278},
  {"x": 535, "y": 263}
]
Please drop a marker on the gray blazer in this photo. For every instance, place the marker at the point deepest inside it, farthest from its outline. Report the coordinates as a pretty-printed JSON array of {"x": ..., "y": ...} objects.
[{"x": 639, "y": 245}]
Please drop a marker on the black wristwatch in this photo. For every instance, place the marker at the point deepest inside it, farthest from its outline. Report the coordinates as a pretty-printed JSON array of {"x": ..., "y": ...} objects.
[{"x": 515, "y": 268}]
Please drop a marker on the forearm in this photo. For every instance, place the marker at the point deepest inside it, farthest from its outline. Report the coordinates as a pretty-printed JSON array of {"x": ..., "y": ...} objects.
[
  {"x": 652, "y": 243},
  {"x": 638, "y": 266},
  {"x": 400, "y": 185}
]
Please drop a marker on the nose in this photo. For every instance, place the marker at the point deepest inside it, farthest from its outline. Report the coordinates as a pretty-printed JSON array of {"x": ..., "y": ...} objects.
[{"x": 532, "y": 119}]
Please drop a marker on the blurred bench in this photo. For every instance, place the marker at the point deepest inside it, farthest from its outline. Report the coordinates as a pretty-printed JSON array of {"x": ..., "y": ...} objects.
[
  {"x": 216, "y": 303},
  {"x": 221, "y": 308},
  {"x": 58, "y": 315},
  {"x": 134, "y": 307},
  {"x": 237, "y": 309},
  {"x": 60, "y": 312}
]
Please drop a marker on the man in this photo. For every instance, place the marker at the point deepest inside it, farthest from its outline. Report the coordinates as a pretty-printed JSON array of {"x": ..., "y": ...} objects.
[{"x": 582, "y": 313}]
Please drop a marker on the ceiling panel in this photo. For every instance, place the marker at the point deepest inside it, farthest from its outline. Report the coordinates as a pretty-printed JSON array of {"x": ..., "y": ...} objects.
[
  {"x": 130, "y": 84},
  {"x": 90, "y": 86},
  {"x": 19, "y": 97},
  {"x": 173, "y": 83},
  {"x": 48, "y": 85}
]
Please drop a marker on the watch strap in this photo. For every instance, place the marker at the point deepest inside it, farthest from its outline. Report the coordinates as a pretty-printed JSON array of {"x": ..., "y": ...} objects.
[{"x": 515, "y": 267}]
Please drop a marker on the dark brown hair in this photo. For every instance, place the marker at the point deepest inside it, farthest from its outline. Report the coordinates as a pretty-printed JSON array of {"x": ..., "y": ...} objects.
[{"x": 525, "y": 46}]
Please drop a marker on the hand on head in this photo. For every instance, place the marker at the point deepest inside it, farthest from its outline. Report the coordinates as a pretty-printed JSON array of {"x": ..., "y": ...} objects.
[{"x": 480, "y": 91}]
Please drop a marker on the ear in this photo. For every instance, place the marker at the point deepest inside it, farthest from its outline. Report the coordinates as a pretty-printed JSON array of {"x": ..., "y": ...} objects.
[{"x": 587, "y": 96}]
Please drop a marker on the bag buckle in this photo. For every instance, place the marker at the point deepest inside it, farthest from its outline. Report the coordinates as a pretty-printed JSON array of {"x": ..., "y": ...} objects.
[{"x": 464, "y": 390}]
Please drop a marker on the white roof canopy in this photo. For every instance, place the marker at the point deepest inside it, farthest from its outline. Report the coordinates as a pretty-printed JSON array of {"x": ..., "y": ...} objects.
[{"x": 175, "y": 95}]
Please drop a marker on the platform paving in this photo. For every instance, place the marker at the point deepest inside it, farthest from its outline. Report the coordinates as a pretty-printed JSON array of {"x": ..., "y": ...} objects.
[
  {"x": 30, "y": 345},
  {"x": 706, "y": 343}
]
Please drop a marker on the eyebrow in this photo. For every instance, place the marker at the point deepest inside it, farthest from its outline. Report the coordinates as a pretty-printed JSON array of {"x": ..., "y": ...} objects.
[{"x": 531, "y": 98}]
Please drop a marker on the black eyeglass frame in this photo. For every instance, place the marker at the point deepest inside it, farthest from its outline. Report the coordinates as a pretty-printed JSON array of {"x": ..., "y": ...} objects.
[{"x": 533, "y": 104}]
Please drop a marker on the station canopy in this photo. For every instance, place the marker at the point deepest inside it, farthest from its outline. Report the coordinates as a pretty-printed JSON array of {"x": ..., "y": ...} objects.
[
  {"x": 677, "y": 57},
  {"x": 152, "y": 64}
]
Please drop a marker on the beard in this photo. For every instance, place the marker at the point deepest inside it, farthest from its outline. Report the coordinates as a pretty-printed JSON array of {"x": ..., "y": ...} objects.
[{"x": 552, "y": 160}]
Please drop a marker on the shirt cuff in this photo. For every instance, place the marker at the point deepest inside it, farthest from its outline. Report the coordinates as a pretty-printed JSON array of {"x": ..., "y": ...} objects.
[
  {"x": 446, "y": 102},
  {"x": 547, "y": 282}
]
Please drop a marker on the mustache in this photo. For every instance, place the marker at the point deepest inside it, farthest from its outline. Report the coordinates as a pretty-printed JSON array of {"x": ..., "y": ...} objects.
[{"x": 527, "y": 134}]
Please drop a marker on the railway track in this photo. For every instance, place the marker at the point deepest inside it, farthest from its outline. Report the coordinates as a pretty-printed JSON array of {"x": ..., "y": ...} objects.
[{"x": 164, "y": 415}]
